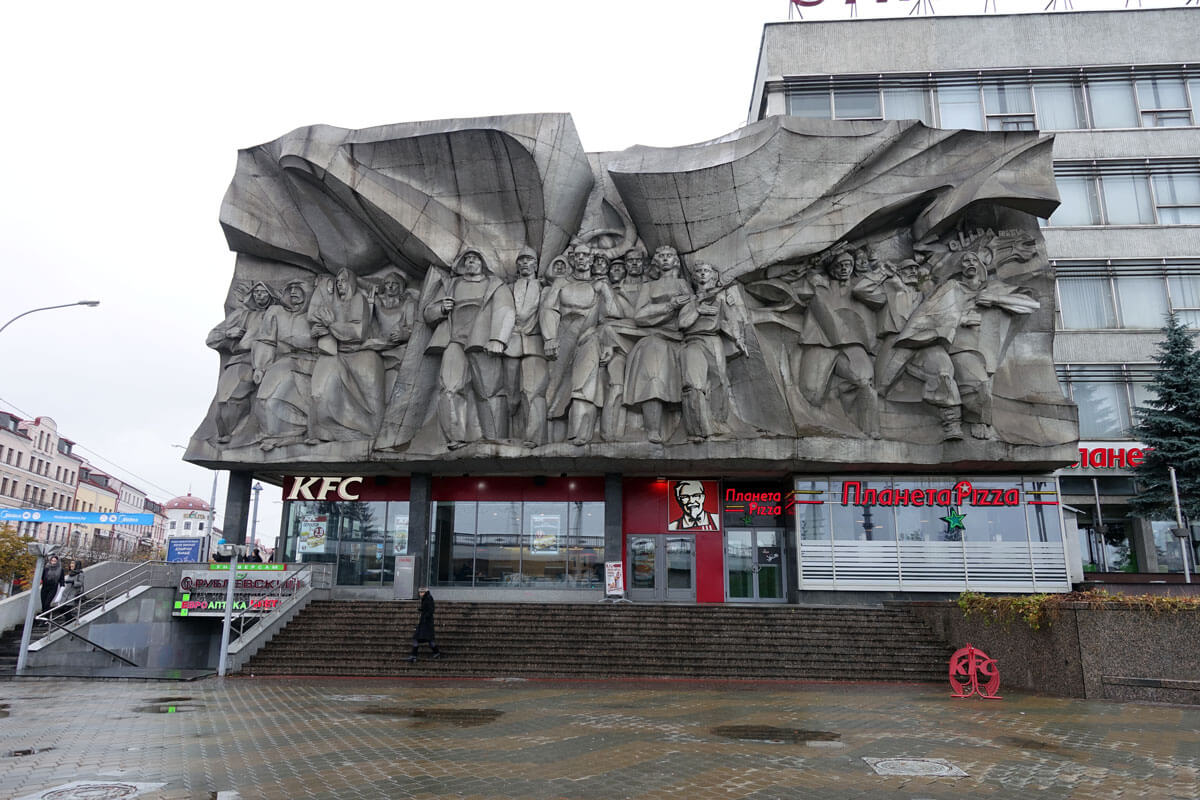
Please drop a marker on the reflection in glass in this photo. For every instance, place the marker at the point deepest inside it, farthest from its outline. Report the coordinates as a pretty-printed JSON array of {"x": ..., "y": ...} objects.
[
  {"x": 812, "y": 510},
  {"x": 768, "y": 553},
  {"x": 679, "y": 561},
  {"x": 861, "y": 522},
  {"x": 585, "y": 563},
  {"x": 641, "y": 556},
  {"x": 995, "y": 523},
  {"x": 497, "y": 542},
  {"x": 1103, "y": 408},
  {"x": 739, "y": 561},
  {"x": 920, "y": 523}
]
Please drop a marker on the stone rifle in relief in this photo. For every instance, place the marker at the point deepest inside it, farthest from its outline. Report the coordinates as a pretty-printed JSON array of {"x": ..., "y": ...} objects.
[{"x": 811, "y": 287}]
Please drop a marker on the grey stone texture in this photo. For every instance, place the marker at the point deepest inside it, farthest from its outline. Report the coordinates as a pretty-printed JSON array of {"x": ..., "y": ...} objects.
[{"x": 797, "y": 294}]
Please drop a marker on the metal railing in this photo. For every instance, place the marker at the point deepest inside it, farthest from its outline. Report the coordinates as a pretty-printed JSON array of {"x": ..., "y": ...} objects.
[
  {"x": 262, "y": 607},
  {"x": 76, "y": 607}
]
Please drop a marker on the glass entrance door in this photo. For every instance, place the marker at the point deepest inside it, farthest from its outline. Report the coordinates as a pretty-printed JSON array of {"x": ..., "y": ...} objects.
[
  {"x": 662, "y": 568},
  {"x": 754, "y": 565}
]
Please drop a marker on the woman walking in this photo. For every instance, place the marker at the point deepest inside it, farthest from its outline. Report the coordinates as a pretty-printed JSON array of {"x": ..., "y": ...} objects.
[
  {"x": 73, "y": 581},
  {"x": 424, "y": 631},
  {"x": 52, "y": 581}
]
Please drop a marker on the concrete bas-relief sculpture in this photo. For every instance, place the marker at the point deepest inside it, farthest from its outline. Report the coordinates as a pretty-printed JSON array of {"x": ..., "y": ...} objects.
[{"x": 471, "y": 292}]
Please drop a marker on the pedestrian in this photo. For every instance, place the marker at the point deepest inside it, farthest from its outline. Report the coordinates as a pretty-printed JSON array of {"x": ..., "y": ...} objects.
[
  {"x": 73, "y": 581},
  {"x": 256, "y": 556},
  {"x": 424, "y": 631},
  {"x": 52, "y": 581}
]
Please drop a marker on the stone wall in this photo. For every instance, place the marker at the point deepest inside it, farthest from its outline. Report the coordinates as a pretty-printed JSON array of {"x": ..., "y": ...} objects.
[{"x": 1110, "y": 653}]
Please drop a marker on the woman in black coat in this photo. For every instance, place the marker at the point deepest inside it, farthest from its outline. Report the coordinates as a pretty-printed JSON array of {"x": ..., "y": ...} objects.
[
  {"x": 424, "y": 631},
  {"x": 52, "y": 581}
]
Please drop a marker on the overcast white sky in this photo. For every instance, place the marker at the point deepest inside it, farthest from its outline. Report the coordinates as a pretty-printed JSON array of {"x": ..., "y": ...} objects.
[{"x": 122, "y": 126}]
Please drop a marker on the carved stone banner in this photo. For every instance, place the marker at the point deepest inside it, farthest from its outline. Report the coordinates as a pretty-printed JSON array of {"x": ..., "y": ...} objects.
[{"x": 483, "y": 293}]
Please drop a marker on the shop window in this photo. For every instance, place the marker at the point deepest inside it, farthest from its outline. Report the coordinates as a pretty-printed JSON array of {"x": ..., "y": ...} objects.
[
  {"x": 1167, "y": 548},
  {"x": 921, "y": 523},
  {"x": 497, "y": 543},
  {"x": 870, "y": 523},
  {"x": 812, "y": 510}
]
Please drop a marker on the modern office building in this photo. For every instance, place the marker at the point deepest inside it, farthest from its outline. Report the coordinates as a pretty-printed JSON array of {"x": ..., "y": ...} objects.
[{"x": 1121, "y": 92}]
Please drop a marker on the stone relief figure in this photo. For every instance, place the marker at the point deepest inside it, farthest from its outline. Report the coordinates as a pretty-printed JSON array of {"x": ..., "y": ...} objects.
[
  {"x": 526, "y": 374},
  {"x": 348, "y": 378},
  {"x": 953, "y": 344},
  {"x": 394, "y": 312},
  {"x": 837, "y": 341},
  {"x": 635, "y": 267},
  {"x": 235, "y": 338},
  {"x": 713, "y": 323},
  {"x": 569, "y": 315},
  {"x": 652, "y": 377},
  {"x": 474, "y": 317},
  {"x": 284, "y": 355}
]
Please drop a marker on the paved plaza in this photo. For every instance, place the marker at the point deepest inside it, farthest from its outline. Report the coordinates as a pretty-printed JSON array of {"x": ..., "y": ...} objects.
[{"x": 354, "y": 738}]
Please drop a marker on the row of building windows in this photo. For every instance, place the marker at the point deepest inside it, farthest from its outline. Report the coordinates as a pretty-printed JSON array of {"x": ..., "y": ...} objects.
[
  {"x": 187, "y": 526},
  {"x": 1122, "y": 193},
  {"x": 37, "y": 465},
  {"x": 1107, "y": 395},
  {"x": 1126, "y": 294},
  {"x": 1049, "y": 100}
]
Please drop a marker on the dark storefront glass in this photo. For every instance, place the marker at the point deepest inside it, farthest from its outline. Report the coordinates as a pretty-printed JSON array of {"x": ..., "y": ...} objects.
[
  {"x": 361, "y": 538},
  {"x": 864, "y": 522},
  {"x": 922, "y": 523},
  {"x": 812, "y": 510},
  {"x": 534, "y": 544}
]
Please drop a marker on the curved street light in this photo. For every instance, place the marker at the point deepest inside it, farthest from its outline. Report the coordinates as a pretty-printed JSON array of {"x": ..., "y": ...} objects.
[{"x": 91, "y": 303}]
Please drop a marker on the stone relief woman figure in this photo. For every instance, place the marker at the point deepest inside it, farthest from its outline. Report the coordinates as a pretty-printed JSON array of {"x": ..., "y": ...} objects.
[
  {"x": 284, "y": 356},
  {"x": 394, "y": 312},
  {"x": 348, "y": 378},
  {"x": 234, "y": 337}
]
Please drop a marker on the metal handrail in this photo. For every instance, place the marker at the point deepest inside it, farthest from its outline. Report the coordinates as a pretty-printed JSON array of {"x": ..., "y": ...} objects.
[
  {"x": 249, "y": 618},
  {"x": 75, "y": 607},
  {"x": 70, "y": 632}
]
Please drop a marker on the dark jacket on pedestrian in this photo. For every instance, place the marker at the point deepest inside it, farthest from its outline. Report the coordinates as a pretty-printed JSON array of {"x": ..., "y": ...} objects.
[
  {"x": 424, "y": 631},
  {"x": 52, "y": 581}
]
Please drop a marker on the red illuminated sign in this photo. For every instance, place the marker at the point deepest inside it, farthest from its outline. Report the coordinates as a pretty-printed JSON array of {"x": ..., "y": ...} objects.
[
  {"x": 1111, "y": 457},
  {"x": 692, "y": 506},
  {"x": 963, "y": 493}
]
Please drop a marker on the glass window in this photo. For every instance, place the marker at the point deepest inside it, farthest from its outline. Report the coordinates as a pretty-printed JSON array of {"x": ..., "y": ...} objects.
[
  {"x": 1113, "y": 104},
  {"x": 545, "y": 543},
  {"x": 1060, "y": 106},
  {"x": 1163, "y": 102},
  {"x": 811, "y": 103},
  {"x": 908, "y": 104},
  {"x": 868, "y": 523},
  {"x": 187, "y": 526},
  {"x": 812, "y": 510},
  {"x": 1185, "y": 298},
  {"x": 453, "y": 543},
  {"x": 996, "y": 523},
  {"x": 1178, "y": 199},
  {"x": 920, "y": 523},
  {"x": 958, "y": 107},
  {"x": 1127, "y": 200},
  {"x": 1166, "y": 546},
  {"x": 1080, "y": 202},
  {"x": 1103, "y": 408},
  {"x": 585, "y": 561},
  {"x": 856, "y": 104},
  {"x": 497, "y": 543},
  {"x": 172, "y": 521},
  {"x": 1086, "y": 303},
  {"x": 1009, "y": 106},
  {"x": 1143, "y": 302},
  {"x": 1143, "y": 393}
]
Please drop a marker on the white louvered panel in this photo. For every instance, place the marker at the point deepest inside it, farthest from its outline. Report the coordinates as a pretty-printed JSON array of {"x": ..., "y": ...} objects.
[
  {"x": 932, "y": 566},
  {"x": 1050, "y": 566},
  {"x": 866, "y": 564},
  {"x": 816, "y": 565},
  {"x": 999, "y": 564}
]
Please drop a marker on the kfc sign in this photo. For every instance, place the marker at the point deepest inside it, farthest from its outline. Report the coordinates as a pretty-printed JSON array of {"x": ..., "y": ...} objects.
[
  {"x": 321, "y": 489},
  {"x": 692, "y": 506}
]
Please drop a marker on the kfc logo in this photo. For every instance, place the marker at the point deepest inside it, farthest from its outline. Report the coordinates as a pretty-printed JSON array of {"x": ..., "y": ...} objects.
[
  {"x": 692, "y": 506},
  {"x": 319, "y": 488}
]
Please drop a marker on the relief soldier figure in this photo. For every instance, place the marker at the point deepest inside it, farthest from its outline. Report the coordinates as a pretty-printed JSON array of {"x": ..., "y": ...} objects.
[
  {"x": 395, "y": 312},
  {"x": 569, "y": 315},
  {"x": 526, "y": 375},
  {"x": 652, "y": 376},
  {"x": 235, "y": 337},
  {"x": 348, "y": 378},
  {"x": 713, "y": 326},
  {"x": 284, "y": 356},
  {"x": 953, "y": 345}
]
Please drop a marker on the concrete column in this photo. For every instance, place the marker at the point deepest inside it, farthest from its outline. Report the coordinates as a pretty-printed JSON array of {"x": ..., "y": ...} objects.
[
  {"x": 1142, "y": 539},
  {"x": 419, "y": 496},
  {"x": 613, "y": 520},
  {"x": 237, "y": 507}
]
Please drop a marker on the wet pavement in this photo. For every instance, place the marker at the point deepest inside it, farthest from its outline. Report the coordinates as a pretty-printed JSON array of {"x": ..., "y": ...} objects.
[{"x": 685, "y": 740}]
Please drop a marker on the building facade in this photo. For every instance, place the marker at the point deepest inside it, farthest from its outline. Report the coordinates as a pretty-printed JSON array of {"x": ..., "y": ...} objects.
[
  {"x": 37, "y": 471},
  {"x": 1121, "y": 93}
]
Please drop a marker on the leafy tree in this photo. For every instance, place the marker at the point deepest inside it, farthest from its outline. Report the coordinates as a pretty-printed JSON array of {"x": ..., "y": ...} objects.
[
  {"x": 14, "y": 554},
  {"x": 1170, "y": 424}
]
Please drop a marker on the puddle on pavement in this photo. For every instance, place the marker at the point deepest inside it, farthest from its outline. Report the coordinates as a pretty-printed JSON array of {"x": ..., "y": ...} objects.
[
  {"x": 1024, "y": 743},
  {"x": 168, "y": 699},
  {"x": 27, "y": 751},
  {"x": 770, "y": 733},
  {"x": 168, "y": 708},
  {"x": 3, "y": 710},
  {"x": 462, "y": 717}
]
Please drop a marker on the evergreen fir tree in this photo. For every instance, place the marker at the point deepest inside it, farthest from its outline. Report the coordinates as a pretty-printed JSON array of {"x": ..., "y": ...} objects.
[{"x": 1170, "y": 424}]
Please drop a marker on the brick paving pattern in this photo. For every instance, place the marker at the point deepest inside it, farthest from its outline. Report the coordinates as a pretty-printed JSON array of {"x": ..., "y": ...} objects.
[{"x": 684, "y": 740}]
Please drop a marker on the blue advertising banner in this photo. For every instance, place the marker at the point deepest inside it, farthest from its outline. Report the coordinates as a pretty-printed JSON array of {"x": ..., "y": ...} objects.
[
  {"x": 188, "y": 549},
  {"x": 79, "y": 517}
]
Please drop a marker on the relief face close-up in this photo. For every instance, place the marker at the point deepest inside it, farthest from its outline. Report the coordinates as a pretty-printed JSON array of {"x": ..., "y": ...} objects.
[{"x": 470, "y": 291}]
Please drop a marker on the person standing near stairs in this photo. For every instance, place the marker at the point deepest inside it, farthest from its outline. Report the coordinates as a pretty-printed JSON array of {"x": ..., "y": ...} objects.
[
  {"x": 52, "y": 581},
  {"x": 424, "y": 631}
]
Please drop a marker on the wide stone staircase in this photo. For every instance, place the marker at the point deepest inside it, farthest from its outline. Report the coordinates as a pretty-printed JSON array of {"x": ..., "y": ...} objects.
[{"x": 526, "y": 640}]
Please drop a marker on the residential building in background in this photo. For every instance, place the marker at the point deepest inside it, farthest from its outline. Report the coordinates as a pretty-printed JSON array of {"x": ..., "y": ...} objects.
[
  {"x": 190, "y": 516},
  {"x": 37, "y": 470},
  {"x": 1121, "y": 92}
]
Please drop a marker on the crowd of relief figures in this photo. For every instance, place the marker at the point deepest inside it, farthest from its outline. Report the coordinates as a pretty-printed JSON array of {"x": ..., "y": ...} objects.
[{"x": 606, "y": 344}]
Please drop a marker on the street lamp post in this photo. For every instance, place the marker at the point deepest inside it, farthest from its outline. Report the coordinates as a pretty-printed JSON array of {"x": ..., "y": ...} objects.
[
  {"x": 258, "y": 487},
  {"x": 41, "y": 550},
  {"x": 90, "y": 303}
]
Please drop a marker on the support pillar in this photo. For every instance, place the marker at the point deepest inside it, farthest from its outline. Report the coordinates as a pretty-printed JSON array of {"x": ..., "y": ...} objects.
[
  {"x": 613, "y": 521},
  {"x": 1142, "y": 539},
  {"x": 420, "y": 493},
  {"x": 237, "y": 507}
]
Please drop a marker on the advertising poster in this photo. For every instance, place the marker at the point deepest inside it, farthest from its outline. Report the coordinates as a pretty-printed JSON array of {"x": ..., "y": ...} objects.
[
  {"x": 614, "y": 579},
  {"x": 543, "y": 536},
  {"x": 400, "y": 534},
  {"x": 187, "y": 549},
  {"x": 312, "y": 534},
  {"x": 693, "y": 506}
]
